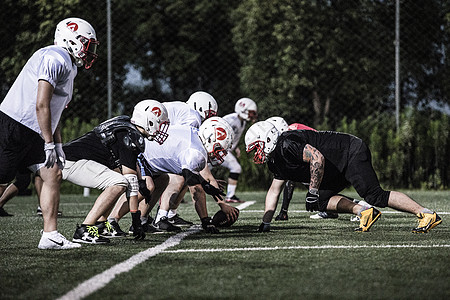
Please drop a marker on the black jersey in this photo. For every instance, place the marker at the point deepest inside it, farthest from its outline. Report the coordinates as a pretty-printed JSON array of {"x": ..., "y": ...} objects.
[
  {"x": 90, "y": 147},
  {"x": 286, "y": 161}
]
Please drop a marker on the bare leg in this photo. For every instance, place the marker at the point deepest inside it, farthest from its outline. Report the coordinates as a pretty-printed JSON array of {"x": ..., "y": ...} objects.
[
  {"x": 10, "y": 192},
  {"x": 342, "y": 204},
  {"x": 50, "y": 195},
  {"x": 402, "y": 202},
  {"x": 104, "y": 203}
]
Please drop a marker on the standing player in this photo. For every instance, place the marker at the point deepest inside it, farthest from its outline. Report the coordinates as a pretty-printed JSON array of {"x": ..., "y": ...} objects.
[
  {"x": 245, "y": 111},
  {"x": 329, "y": 162},
  {"x": 30, "y": 135}
]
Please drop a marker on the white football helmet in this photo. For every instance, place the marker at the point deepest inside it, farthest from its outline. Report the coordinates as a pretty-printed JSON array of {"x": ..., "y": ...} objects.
[
  {"x": 204, "y": 103},
  {"x": 79, "y": 39},
  {"x": 217, "y": 138},
  {"x": 152, "y": 116},
  {"x": 280, "y": 124},
  {"x": 261, "y": 137},
  {"x": 246, "y": 109}
]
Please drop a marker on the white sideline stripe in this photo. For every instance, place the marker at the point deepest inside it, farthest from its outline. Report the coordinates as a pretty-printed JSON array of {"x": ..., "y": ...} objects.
[
  {"x": 382, "y": 211},
  {"x": 304, "y": 248},
  {"x": 99, "y": 281},
  {"x": 245, "y": 205}
]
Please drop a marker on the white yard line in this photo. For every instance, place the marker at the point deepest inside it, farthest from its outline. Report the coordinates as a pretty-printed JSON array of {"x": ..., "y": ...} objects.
[
  {"x": 99, "y": 281},
  {"x": 382, "y": 211},
  {"x": 304, "y": 248}
]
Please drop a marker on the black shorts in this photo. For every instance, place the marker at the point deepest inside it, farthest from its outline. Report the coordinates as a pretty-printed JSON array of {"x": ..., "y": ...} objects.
[{"x": 20, "y": 147}]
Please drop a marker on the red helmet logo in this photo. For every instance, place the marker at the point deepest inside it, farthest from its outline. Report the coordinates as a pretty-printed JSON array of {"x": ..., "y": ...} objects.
[
  {"x": 157, "y": 111},
  {"x": 72, "y": 26},
  {"x": 221, "y": 134}
]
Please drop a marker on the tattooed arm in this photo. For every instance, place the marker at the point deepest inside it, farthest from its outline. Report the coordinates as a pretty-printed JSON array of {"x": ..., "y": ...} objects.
[{"x": 316, "y": 166}]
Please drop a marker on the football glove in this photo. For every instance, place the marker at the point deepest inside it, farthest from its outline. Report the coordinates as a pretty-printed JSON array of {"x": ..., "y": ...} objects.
[
  {"x": 212, "y": 190},
  {"x": 60, "y": 155},
  {"x": 138, "y": 229},
  {"x": 144, "y": 191},
  {"x": 264, "y": 227},
  {"x": 312, "y": 200},
  {"x": 208, "y": 226},
  {"x": 50, "y": 155}
]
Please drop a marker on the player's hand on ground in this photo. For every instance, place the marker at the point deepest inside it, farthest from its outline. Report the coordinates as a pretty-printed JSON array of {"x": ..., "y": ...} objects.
[
  {"x": 208, "y": 226},
  {"x": 138, "y": 229},
  {"x": 264, "y": 227},
  {"x": 312, "y": 201}
]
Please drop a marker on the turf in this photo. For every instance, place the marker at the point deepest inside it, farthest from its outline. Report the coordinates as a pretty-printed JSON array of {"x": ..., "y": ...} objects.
[{"x": 300, "y": 258}]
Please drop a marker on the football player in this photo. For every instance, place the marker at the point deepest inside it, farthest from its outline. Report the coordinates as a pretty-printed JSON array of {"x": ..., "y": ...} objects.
[
  {"x": 30, "y": 113},
  {"x": 328, "y": 162},
  {"x": 105, "y": 158},
  {"x": 245, "y": 110},
  {"x": 182, "y": 163}
]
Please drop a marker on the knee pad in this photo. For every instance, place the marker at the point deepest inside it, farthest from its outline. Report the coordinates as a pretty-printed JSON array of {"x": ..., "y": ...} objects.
[
  {"x": 378, "y": 197},
  {"x": 234, "y": 176}
]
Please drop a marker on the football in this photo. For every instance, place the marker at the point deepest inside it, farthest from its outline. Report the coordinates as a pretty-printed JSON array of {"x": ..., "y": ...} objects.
[{"x": 220, "y": 219}]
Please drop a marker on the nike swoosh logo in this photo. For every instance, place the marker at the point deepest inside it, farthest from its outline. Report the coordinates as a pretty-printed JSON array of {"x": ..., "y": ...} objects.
[{"x": 57, "y": 243}]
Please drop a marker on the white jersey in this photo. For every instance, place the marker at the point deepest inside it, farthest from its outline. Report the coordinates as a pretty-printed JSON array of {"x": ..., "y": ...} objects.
[
  {"x": 52, "y": 64},
  {"x": 183, "y": 149},
  {"x": 238, "y": 126},
  {"x": 181, "y": 114}
]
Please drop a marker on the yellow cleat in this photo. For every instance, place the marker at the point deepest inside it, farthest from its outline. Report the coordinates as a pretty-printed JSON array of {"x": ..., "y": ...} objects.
[
  {"x": 427, "y": 222},
  {"x": 368, "y": 217}
]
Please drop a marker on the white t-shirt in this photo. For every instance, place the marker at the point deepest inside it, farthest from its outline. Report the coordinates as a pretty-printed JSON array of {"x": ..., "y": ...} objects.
[
  {"x": 183, "y": 149},
  {"x": 180, "y": 113},
  {"x": 238, "y": 126},
  {"x": 52, "y": 64}
]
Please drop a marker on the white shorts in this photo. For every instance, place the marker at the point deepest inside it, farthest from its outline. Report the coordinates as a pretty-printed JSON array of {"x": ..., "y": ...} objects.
[
  {"x": 91, "y": 174},
  {"x": 231, "y": 163}
]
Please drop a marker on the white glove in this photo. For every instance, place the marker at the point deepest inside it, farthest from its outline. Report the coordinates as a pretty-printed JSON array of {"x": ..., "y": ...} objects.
[
  {"x": 50, "y": 155},
  {"x": 61, "y": 155}
]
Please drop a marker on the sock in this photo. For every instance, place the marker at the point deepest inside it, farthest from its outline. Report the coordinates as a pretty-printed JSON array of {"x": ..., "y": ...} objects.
[
  {"x": 50, "y": 233},
  {"x": 231, "y": 189},
  {"x": 172, "y": 213},
  {"x": 427, "y": 211},
  {"x": 111, "y": 219},
  {"x": 161, "y": 213},
  {"x": 144, "y": 220}
]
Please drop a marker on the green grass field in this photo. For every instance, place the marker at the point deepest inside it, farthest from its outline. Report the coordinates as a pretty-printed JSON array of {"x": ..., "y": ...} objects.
[{"x": 299, "y": 259}]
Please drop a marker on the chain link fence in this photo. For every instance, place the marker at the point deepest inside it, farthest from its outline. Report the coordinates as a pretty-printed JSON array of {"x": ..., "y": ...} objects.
[{"x": 322, "y": 63}]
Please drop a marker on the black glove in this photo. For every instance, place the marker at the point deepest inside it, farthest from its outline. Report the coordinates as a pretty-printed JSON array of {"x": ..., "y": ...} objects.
[
  {"x": 264, "y": 227},
  {"x": 208, "y": 226},
  {"x": 144, "y": 191},
  {"x": 138, "y": 229},
  {"x": 312, "y": 201},
  {"x": 212, "y": 190}
]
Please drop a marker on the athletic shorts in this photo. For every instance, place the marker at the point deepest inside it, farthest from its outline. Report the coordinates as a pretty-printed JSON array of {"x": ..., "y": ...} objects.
[
  {"x": 91, "y": 174},
  {"x": 20, "y": 148},
  {"x": 231, "y": 163}
]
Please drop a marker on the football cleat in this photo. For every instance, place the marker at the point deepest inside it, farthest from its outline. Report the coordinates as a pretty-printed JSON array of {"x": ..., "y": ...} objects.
[
  {"x": 108, "y": 230},
  {"x": 368, "y": 217},
  {"x": 56, "y": 241},
  {"x": 178, "y": 221},
  {"x": 324, "y": 215},
  {"x": 234, "y": 199},
  {"x": 3, "y": 213},
  {"x": 88, "y": 234},
  {"x": 282, "y": 216},
  {"x": 148, "y": 228},
  {"x": 165, "y": 225},
  {"x": 427, "y": 222}
]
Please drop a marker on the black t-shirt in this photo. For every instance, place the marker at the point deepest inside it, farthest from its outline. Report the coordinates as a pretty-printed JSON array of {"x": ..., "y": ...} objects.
[
  {"x": 286, "y": 161},
  {"x": 90, "y": 147}
]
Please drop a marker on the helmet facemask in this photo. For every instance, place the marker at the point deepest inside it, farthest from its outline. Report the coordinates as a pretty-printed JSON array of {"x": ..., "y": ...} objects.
[
  {"x": 161, "y": 134},
  {"x": 216, "y": 156},
  {"x": 259, "y": 157}
]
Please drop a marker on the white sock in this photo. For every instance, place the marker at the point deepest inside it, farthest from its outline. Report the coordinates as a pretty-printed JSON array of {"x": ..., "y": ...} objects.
[
  {"x": 427, "y": 211},
  {"x": 144, "y": 220},
  {"x": 161, "y": 213},
  {"x": 172, "y": 213},
  {"x": 50, "y": 233},
  {"x": 111, "y": 219},
  {"x": 231, "y": 189}
]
